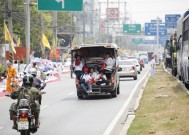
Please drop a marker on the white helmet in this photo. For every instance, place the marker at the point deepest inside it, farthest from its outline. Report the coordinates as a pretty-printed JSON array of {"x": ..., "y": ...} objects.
[{"x": 33, "y": 71}]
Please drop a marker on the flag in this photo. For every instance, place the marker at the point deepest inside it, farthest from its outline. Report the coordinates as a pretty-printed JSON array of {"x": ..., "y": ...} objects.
[
  {"x": 45, "y": 41},
  {"x": 54, "y": 46},
  {"x": 18, "y": 42},
  {"x": 9, "y": 38}
]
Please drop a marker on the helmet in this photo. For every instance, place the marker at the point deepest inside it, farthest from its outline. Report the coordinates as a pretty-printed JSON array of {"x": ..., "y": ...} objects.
[
  {"x": 28, "y": 80},
  {"x": 33, "y": 71}
]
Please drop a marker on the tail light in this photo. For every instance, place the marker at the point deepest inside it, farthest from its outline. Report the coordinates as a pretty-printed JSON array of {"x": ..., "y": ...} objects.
[
  {"x": 113, "y": 80},
  {"x": 77, "y": 82},
  {"x": 23, "y": 114},
  {"x": 133, "y": 68}
]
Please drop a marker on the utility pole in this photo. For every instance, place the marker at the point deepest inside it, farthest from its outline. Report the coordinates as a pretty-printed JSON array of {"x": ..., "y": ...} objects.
[
  {"x": 42, "y": 32},
  {"x": 10, "y": 26},
  {"x": 71, "y": 29},
  {"x": 27, "y": 25},
  {"x": 125, "y": 12},
  {"x": 55, "y": 26},
  {"x": 157, "y": 34},
  {"x": 107, "y": 20},
  {"x": 84, "y": 23},
  {"x": 99, "y": 34}
]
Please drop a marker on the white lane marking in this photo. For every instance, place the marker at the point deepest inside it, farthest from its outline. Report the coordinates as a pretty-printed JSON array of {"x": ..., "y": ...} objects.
[
  {"x": 71, "y": 93},
  {"x": 116, "y": 118},
  {"x": 1, "y": 128},
  {"x": 43, "y": 107}
]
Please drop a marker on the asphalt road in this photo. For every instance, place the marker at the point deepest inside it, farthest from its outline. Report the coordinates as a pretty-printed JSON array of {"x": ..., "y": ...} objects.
[{"x": 63, "y": 114}]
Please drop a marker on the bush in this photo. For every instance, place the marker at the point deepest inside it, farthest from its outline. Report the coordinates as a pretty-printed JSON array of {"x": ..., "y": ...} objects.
[{"x": 2, "y": 69}]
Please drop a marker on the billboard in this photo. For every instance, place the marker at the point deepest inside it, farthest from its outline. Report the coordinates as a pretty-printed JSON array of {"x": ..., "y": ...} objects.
[{"x": 112, "y": 13}]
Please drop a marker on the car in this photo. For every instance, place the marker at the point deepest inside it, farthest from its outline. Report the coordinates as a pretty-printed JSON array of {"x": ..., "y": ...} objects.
[
  {"x": 93, "y": 55},
  {"x": 135, "y": 61},
  {"x": 144, "y": 56},
  {"x": 128, "y": 69}
]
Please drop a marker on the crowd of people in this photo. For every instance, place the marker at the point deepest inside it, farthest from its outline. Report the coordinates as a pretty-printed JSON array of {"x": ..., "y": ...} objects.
[
  {"x": 46, "y": 70},
  {"x": 96, "y": 75}
]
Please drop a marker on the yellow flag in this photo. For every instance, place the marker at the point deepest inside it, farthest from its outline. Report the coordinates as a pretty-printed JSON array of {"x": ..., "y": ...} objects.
[
  {"x": 8, "y": 37},
  {"x": 45, "y": 41},
  {"x": 54, "y": 46},
  {"x": 18, "y": 42}
]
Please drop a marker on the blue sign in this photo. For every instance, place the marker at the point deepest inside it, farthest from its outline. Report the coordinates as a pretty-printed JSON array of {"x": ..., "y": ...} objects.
[
  {"x": 162, "y": 41},
  {"x": 171, "y": 20},
  {"x": 149, "y": 42},
  {"x": 155, "y": 21},
  {"x": 150, "y": 29}
]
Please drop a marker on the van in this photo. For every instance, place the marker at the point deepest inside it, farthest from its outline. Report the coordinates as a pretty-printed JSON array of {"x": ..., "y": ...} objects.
[{"x": 93, "y": 55}]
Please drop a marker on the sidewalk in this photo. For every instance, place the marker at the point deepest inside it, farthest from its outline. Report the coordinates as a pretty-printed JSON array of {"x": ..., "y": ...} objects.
[{"x": 164, "y": 108}]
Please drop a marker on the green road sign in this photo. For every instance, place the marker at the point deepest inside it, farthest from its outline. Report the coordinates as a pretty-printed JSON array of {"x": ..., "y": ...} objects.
[
  {"x": 137, "y": 41},
  {"x": 132, "y": 28},
  {"x": 60, "y": 5}
]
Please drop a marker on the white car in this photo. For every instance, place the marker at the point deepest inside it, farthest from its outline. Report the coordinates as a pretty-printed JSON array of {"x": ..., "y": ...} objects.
[
  {"x": 128, "y": 69},
  {"x": 135, "y": 61}
]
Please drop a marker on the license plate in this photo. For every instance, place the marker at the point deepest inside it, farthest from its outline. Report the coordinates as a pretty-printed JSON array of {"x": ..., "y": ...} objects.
[
  {"x": 125, "y": 69},
  {"x": 23, "y": 125}
]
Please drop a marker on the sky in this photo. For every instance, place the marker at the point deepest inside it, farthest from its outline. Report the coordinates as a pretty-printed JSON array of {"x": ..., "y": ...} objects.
[{"x": 142, "y": 11}]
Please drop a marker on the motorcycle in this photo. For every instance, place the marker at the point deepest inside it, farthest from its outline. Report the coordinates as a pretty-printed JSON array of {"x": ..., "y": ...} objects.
[{"x": 24, "y": 117}]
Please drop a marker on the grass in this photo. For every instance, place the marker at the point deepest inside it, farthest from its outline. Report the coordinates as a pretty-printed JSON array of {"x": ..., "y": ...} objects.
[{"x": 164, "y": 108}]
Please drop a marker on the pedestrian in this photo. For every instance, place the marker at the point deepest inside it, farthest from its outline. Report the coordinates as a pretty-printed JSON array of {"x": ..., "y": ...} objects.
[
  {"x": 21, "y": 67},
  {"x": 152, "y": 64},
  {"x": 78, "y": 67},
  {"x": 85, "y": 81},
  {"x": 15, "y": 65},
  {"x": 11, "y": 73}
]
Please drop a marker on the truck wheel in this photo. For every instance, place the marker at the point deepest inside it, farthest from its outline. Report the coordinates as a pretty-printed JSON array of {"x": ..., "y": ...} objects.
[
  {"x": 138, "y": 72},
  {"x": 114, "y": 93},
  {"x": 180, "y": 78},
  {"x": 186, "y": 85},
  {"x": 79, "y": 95},
  {"x": 135, "y": 78},
  {"x": 118, "y": 89}
]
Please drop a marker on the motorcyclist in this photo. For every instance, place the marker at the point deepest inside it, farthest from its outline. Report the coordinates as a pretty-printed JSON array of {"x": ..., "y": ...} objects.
[
  {"x": 37, "y": 82},
  {"x": 32, "y": 94}
]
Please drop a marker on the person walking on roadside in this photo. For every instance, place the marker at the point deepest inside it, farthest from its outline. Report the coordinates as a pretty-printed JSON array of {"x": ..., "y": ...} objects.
[
  {"x": 152, "y": 64},
  {"x": 11, "y": 73},
  {"x": 21, "y": 67}
]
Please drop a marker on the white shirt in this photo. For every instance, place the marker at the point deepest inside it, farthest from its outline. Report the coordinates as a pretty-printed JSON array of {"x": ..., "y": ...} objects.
[
  {"x": 21, "y": 68},
  {"x": 153, "y": 63},
  {"x": 79, "y": 67},
  {"x": 109, "y": 62},
  {"x": 99, "y": 76},
  {"x": 16, "y": 67},
  {"x": 87, "y": 77},
  {"x": 94, "y": 75}
]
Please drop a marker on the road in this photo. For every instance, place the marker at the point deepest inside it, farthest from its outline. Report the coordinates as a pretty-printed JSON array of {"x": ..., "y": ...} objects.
[{"x": 63, "y": 114}]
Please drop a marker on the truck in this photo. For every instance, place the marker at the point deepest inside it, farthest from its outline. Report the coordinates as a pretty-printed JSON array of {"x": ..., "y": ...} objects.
[
  {"x": 183, "y": 48},
  {"x": 93, "y": 55}
]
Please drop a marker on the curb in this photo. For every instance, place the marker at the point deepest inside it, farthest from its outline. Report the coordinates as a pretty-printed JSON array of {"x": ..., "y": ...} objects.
[{"x": 132, "y": 117}]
